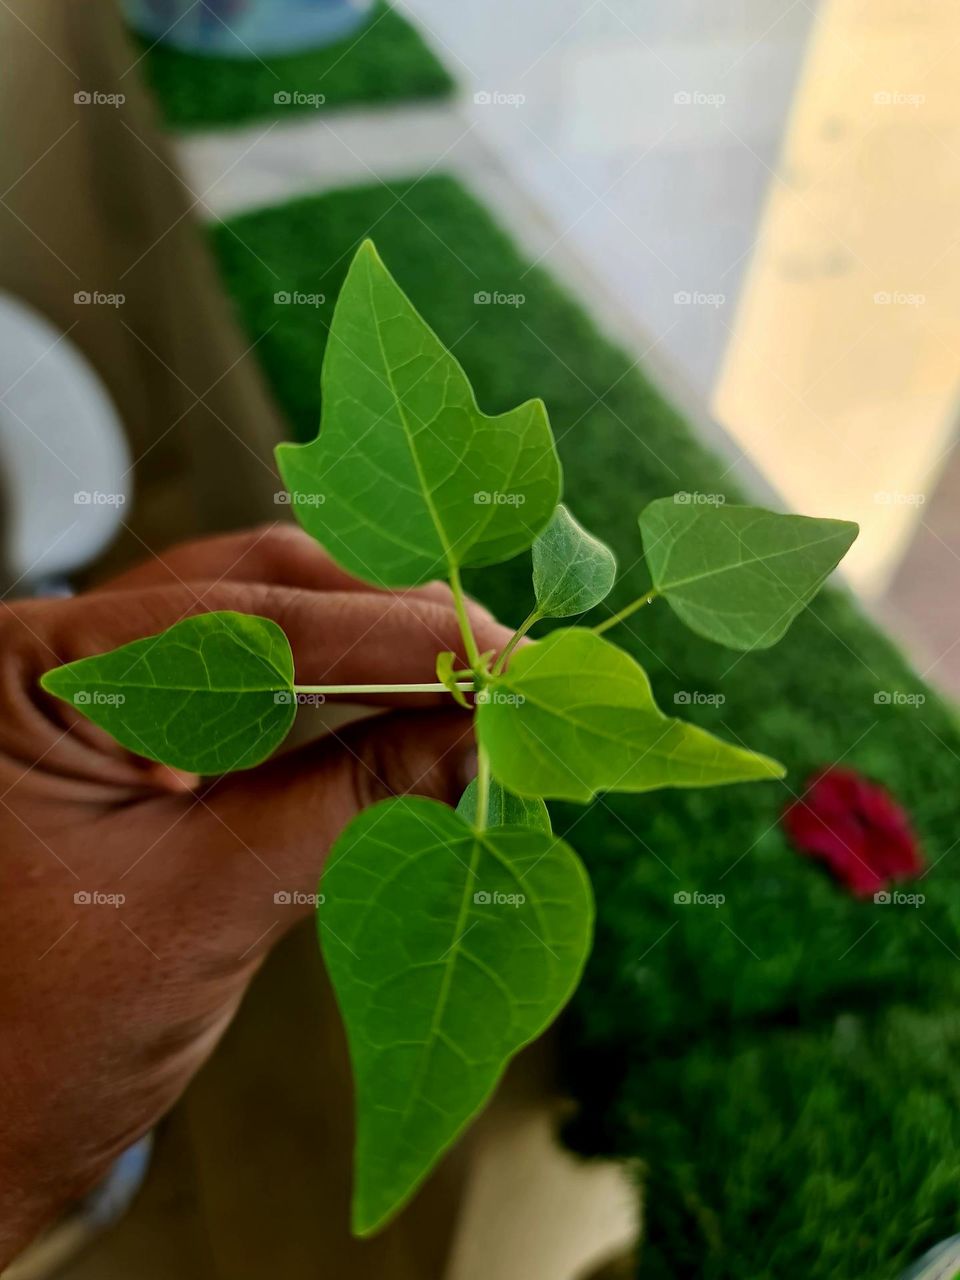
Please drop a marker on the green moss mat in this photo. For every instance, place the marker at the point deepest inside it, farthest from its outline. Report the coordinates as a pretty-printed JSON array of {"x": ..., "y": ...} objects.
[
  {"x": 386, "y": 62},
  {"x": 750, "y": 1052}
]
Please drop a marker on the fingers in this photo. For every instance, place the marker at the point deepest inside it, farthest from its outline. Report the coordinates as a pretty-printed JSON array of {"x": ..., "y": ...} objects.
[
  {"x": 245, "y": 862},
  {"x": 349, "y": 637},
  {"x": 337, "y": 637},
  {"x": 279, "y": 554}
]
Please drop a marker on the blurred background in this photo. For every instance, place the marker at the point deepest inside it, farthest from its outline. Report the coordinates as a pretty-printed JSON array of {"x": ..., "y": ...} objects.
[
  {"x": 754, "y": 201},
  {"x": 757, "y": 199}
]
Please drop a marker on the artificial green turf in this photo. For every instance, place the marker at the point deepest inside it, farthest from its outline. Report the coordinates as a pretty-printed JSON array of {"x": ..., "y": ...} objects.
[
  {"x": 783, "y": 1063},
  {"x": 386, "y": 61}
]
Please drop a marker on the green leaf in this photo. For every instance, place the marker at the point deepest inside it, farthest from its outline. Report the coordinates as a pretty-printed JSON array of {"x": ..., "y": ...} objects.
[
  {"x": 449, "y": 949},
  {"x": 407, "y": 477},
  {"x": 504, "y": 809},
  {"x": 210, "y": 694},
  {"x": 739, "y": 575},
  {"x": 447, "y": 676},
  {"x": 574, "y": 715},
  {"x": 572, "y": 570}
]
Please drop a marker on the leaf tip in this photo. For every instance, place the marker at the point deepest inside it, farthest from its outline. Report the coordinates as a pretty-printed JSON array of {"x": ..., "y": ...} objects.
[
  {"x": 362, "y": 1224},
  {"x": 372, "y": 1209},
  {"x": 368, "y": 252},
  {"x": 774, "y": 769},
  {"x": 48, "y": 681},
  {"x": 282, "y": 453},
  {"x": 537, "y": 405}
]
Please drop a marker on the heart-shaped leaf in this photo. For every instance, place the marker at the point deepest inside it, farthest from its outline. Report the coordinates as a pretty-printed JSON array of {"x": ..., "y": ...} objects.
[
  {"x": 449, "y": 949},
  {"x": 210, "y": 694},
  {"x": 572, "y": 570},
  {"x": 575, "y": 715},
  {"x": 407, "y": 477},
  {"x": 504, "y": 809},
  {"x": 739, "y": 575}
]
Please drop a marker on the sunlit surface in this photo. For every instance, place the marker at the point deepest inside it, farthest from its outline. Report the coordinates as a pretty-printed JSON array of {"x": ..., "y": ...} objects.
[{"x": 841, "y": 375}]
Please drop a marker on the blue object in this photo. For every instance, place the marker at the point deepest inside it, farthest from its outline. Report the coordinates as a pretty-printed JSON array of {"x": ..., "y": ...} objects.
[
  {"x": 246, "y": 28},
  {"x": 109, "y": 1201}
]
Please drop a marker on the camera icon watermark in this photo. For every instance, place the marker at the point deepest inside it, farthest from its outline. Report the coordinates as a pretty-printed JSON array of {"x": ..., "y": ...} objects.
[
  {"x": 697, "y": 98},
  {"x": 894, "y": 498},
  {"x": 894, "y": 898},
  {"x": 98, "y": 698},
  {"x": 284, "y": 498},
  {"x": 697, "y": 298},
  {"x": 97, "y": 298},
  {"x": 684, "y": 498},
  {"x": 497, "y": 298},
  {"x": 498, "y": 697},
  {"x": 94, "y": 898},
  {"x": 899, "y": 298},
  {"x": 296, "y": 898},
  {"x": 298, "y": 298},
  {"x": 94, "y": 98},
  {"x": 497, "y": 98},
  {"x": 693, "y": 898},
  {"x": 698, "y": 698},
  {"x": 483, "y": 898},
  {"x": 484, "y": 498},
  {"x": 297, "y": 98},
  {"x": 86, "y": 498},
  {"x": 897, "y": 98},
  {"x": 300, "y": 698},
  {"x": 897, "y": 698}
]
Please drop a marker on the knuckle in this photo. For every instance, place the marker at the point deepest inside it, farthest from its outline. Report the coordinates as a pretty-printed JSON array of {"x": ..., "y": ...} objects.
[{"x": 275, "y": 536}]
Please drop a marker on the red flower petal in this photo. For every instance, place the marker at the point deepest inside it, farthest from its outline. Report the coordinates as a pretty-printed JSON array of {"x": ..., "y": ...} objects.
[{"x": 856, "y": 828}]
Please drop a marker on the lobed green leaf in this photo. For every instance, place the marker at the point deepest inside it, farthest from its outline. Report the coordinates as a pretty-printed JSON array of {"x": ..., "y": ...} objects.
[
  {"x": 407, "y": 478},
  {"x": 574, "y": 715}
]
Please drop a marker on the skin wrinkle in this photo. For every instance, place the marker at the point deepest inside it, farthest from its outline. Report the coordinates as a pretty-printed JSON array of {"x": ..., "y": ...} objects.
[{"x": 136, "y": 994}]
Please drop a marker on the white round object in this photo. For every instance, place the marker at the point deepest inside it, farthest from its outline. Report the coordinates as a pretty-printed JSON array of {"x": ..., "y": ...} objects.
[{"x": 65, "y": 467}]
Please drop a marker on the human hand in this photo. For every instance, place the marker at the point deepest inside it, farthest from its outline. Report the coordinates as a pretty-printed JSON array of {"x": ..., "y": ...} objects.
[{"x": 139, "y": 901}]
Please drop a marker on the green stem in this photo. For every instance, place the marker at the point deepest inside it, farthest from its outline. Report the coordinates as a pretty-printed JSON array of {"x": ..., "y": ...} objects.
[
  {"x": 460, "y": 604},
  {"x": 646, "y": 598},
  {"x": 465, "y": 685},
  {"x": 532, "y": 617},
  {"x": 483, "y": 788}
]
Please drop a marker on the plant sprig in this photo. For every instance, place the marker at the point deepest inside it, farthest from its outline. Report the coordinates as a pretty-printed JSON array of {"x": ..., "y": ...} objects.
[{"x": 453, "y": 938}]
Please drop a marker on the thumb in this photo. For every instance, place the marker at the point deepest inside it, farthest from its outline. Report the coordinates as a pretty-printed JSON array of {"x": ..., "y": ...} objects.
[{"x": 259, "y": 841}]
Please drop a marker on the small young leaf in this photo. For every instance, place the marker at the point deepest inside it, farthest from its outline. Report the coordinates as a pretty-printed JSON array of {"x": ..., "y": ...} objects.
[
  {"x": 210, "y": 694},
  {"x": 504, "y": 809},
  {"x": 574, "y": 715},
  {"x": 445, "y": 674},
  {"x": 407, "y": 477},
  {"x": 449, "y": 949},
  {"x": 572, "y": 570},
  {"x": 739, "y": 575}
]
